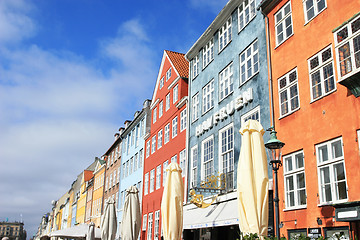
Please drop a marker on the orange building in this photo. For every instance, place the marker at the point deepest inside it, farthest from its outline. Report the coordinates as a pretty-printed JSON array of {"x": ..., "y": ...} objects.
[
  {"x": 314, "y": 86},
  {"x": 166, "y": 142},
  {"x": 98, "y": 192}
]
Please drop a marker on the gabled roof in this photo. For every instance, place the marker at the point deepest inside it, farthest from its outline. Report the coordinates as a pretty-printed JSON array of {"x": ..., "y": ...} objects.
[{"x": 178, "y": 63}]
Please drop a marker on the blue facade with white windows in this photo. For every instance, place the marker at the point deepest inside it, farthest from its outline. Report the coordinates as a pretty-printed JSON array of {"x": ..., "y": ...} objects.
[
  {"x": 132, "y": 154},
  {"x": 228, "y": 84}
]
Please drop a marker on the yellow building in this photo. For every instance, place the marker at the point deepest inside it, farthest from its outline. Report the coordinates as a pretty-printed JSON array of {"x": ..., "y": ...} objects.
[
  {"x": 81, "y": 203},
  {"x": 98, "y": 192}
]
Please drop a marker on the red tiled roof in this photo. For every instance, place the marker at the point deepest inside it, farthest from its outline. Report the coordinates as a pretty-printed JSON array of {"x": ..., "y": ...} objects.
[{"x": 180, "y": 63}]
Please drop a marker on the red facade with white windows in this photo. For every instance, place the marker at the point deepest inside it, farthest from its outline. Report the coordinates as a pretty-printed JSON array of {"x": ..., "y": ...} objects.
[{"x": 167, "y": 139}]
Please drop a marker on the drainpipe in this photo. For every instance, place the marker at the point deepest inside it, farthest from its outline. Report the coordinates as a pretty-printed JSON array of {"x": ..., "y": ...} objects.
[{"x": 270, "y": 69}]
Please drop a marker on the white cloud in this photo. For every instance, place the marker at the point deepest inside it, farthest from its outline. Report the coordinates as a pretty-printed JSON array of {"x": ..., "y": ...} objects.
[
  {"x": 59, "y": 111},
  {"x": 14, "y": 23}
]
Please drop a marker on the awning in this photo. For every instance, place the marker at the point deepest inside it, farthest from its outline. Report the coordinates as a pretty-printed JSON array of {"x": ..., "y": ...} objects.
[{"x": 219, "y": 214}]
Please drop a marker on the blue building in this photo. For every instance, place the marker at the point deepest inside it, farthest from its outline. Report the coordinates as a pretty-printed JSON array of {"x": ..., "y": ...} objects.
[
  {"x": 132, "y": 156},
  {"x": 228, "y": 84}
]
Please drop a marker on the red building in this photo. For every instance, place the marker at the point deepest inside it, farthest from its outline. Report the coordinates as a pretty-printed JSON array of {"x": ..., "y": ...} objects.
[
  {"x": 167, "y": 139},
  {"x": 315, "y": 66}
]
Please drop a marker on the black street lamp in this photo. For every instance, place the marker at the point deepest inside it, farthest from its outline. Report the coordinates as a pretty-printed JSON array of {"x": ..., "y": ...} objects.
[{"x": 274, "y": 149}]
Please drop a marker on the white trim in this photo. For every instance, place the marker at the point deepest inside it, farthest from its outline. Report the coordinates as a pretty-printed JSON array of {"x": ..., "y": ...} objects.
[
  {"x": 251, "y": 13},
  {"x": 249, "y": 113},
  {"x": 316, "y": 10},
  {"x": 286, "y": 88},
  {"x": 173, "y": 83},
  {"x": 211, "y": 137},
  {"x": 225, "y": 28},
  {"x": 220, "y": 153},
  {"x": 282, "y": 23}
]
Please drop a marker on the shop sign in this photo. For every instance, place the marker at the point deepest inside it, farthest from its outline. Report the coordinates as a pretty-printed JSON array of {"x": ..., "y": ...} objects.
[
  {"x": 314, "y": 233},
  {"x": 237, "y": 104},
  {"x": 347, "y": 214}
]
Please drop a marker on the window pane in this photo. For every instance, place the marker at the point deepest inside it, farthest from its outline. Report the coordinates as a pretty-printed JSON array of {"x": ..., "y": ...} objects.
[
  {"x": 341, "y": 190},
  {"x": 309, "y": 9},
  {"x": 288, "y": 164},
  {"x": 339, "y": 172},
  {"x": 316, "y": 84},
  {"x": 345, "y": 59},
  {"x": 290, "y": 183},
  {"x": 300, "y": 180},
  {"x": 299, "y": 159},
  {"x": 314, "y": 62},
  {"x": 357, "y": 50},
  {"x": 323, "y": 152},
  {"x": 342, "y": 35},
  {"x": 329, "y": 78},
  {"x": 355, "y": 26},
  {"x": 320, "y": 5},
  {"x": 336, "y": 149}
]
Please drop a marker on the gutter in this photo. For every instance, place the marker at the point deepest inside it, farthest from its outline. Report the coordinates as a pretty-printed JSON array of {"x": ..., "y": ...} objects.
[{"x": 272, "y": 117}]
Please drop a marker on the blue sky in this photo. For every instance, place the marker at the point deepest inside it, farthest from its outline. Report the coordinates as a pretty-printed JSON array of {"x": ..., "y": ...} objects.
[{"x": 71, "y": 73}]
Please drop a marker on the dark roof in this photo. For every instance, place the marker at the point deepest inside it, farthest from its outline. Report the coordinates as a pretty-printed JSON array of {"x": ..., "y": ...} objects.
[{"x": 180, "y": 63}]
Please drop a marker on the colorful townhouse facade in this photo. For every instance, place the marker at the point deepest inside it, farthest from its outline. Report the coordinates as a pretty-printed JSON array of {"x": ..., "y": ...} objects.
[
  {"x": 98, "y": 192},
  {"x": 87, "y": 176},
  {"x": 228, "y": 85},
  {"x": 133, "y": 154},
  {"x": 166, "y": 141},
  {"x": 315, "y": 68}
]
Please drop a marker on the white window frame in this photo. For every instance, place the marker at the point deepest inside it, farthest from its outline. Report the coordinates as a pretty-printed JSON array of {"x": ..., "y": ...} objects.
[
  {"x": 246, "y": 12},
  {"x": 166, "y": 133},
  {"x": 147, "y": 149},
  {"x": 158, "y": 176},
  {"x": 168, "y": 74},
  {"x": 154, "y": 115},
  {"x": 167, "y": 102},
  {"x": 287, "y": 88},
  {"x": 183, "y": 118},
  {"x": 226, "y": 150},
  {"x": 174, "y": 159},
  {"x": 347, "y": 43},
  {"x": 153, "y": 144},
  {"x": 165, "y": 165},
  {"x": 195, "y": 63},
  {"x": 225, "y": 34},
  {"x": 174, "y": 127},
  {"x": 315, "y": 7},
  {"x": 146, "y": 184},
  {"x": 136, "y": 161},
  {"x": 249, "y": 55},
  {"x": 182, "y": 160},
  {"x": 251, "y": 115},
  {"x": 175, "y": 93},
  {"x": 208, "y": 97},
  {"x": 208, "y": 53},
  {"x": 131, "y": 165},
  {"x": 319, "y": 71},
  {"x": 152, "y": 180},
  {"x": 210, "y": 160},
  {"x": 195, "y": 107},
  {"x": 157, "y": 225},
  {"x": 291, "y": 171},
  {"x": 282, "y": 23},
  {"x": 161, "y": 109},
  {"x": 141, "y": 158},
  {"x": 161, "y": 82},
  {"x": 159, "y": 141},
  {"x": 226, "y": 82},
  {"x": 144, "y": 222},
  {"x": 330, "y": 163},
  {"x": 150, "y": 226},
  {"x": 194, "y": 166}
]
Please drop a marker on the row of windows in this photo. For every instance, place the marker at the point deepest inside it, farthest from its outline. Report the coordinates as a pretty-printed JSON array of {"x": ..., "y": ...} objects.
[
  {"x": 155, "y": 174},
  {"x": 148, "y": 225},
  {"x": 226, "y": 151},
  {"x": 245, "y": 12},
  {"x": 283, "y": 18},
  {"x": 114, "y": 155},
  {"x": 168, "y": 76},
  {"x": 175, "y": 94},
  {"x": 249, "y": 66},
  {"x": 112, "y": 179},
  {"x": 132, "y": 164},
  {"x": 331, "y": 175},
  {"x": 133, "y": 138},
  {"x": 165, "y": 134},
  {"x": 322, "y": 82}
]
